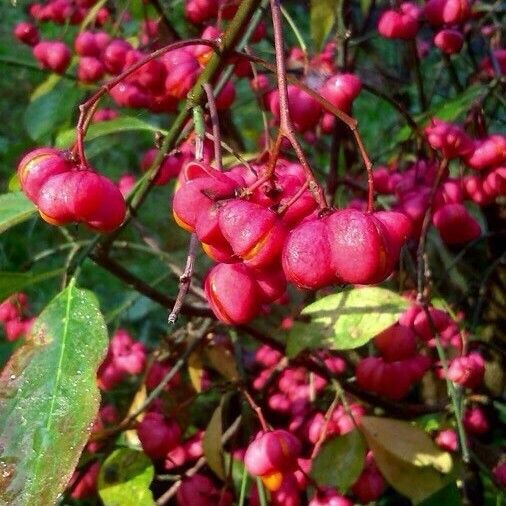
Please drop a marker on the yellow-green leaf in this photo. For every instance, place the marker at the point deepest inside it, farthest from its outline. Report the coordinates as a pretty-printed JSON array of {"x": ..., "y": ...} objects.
[
  {"x": 124, "y": 479},
  {"x": 117, "y": 125},
  {"x": 211, "y": 443},
  {"x": 407, "y": 442},
  {"x": 346, "y": 320},
  {"x": 322, "y": 19},
  {"x": 416, "y": 483},
  {"x": 222, "y": 360}
]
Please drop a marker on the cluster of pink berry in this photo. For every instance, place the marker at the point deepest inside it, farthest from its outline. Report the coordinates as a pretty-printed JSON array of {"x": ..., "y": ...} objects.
[
  {"x": 449, "y": 19},
  {"x": 13, "y": 317},
  {"x": 55, "y": 55},
  {"x": 250, "y": 240},
  {"x": 412, "y": 186},
  {"x": 158, "y": 85},
  {"x": 65, "y": 192},
  {"x": 445, "y": 16},
  {"x": 125, "y": 356},
  {"x": 275, "y": 457},
  {"x": 400, "y": 365}
]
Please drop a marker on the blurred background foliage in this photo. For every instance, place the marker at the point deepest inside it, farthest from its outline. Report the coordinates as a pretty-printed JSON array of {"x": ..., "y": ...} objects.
[{"x": 36, "y": 108}]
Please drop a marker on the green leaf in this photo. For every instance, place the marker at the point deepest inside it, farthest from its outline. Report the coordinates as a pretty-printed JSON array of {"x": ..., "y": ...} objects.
[
  {"x": 49, "y": 399},
  {"x": 13, "y": 184},
  {"x": 213, "y": 449},
  {"x": 96, "y": 130},
  {"x": 11, "y": 282},
  {"x": 125, "y": 477},
  {"x": 340, "y": 461},
  {"x": 45, "y": 86},
  {"x": 346, "y": 320},
  {"x": 14, "y": 208},
  {"x": 322, "y": 19},
  {"x": 47, "y": 112}
]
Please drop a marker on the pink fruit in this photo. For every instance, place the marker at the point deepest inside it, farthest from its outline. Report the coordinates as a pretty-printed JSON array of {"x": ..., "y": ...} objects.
[
  {"x": 128, "y": 355},
  {"x": 305, "y": 111},
  {"x": 130, "y": 95},
  {"x": 396, "y": 343},
  {"x": 37, "y": 166},
  {"x": 273, "y": 451},
  {"x": 233, "y": 293},
  {"x": 439, "y": 12},
  {"x": 16, "y": 328},
  {"x": 417, "y": 366},
  {"x": 255, "y": 233},
  {"x": 90, "y": 69},
  {"x": 158, "y": 435},
  {"x": 85, "y": 44},
  {"x": 449, "y": 41},
  {"x": 52, "y": 55},
  {"x": 447, "y": 440},
  {"x": 397, "y": 229},
  {"x": 475, "y": 421},
  {"x": 341, "y": 89},
  {"x": 306, "y": 255},
  {"x": 169, "y": 168},
  {"x": 271, "y": 283},
  {"x": 226, "y": 97},
  {"x": 182, "y": 72},
  {"x": 84, "y": 484},
  {"x": 369, "y": 486},
  {"x": 359, "y": 254},
  {"x": 27, "y": 33},
  {"x": 197, "y": 195},
  {"x": 455, "y": 224},
  {"x": 55, "y": 199},
  {"x": 473, "y": 190},
  {"x": 198, "y": 490},
  {"x": 114, "y": 55},
  {"x": 390, "y": 379},
  {"x": 467, "y": 370},
  {"x": 494, "y": 184},
  {"x": 499, "y": 473},
  {"x": 328, "y": 496},
  {"x": 449, "y": 138},
  {"x": 488, "y": 152},
  {"x": 401, "y": 23},
  {"x": 198, "y": 11},
  {"x": 96, "y": 201},
  {"x": 125, "y": 183}
]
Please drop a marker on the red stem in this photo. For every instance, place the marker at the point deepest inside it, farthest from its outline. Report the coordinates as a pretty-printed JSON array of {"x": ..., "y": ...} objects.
[
  {"x": 257, "y": 409},
  {"x": 350, "y": 122},
  {"x": 285, "y": 122}
]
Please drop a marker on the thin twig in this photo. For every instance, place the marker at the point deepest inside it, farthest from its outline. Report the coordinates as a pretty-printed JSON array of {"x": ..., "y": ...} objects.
[
  {"x": 184, "y": 280},
  {"x": 215, "y": 122}
]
